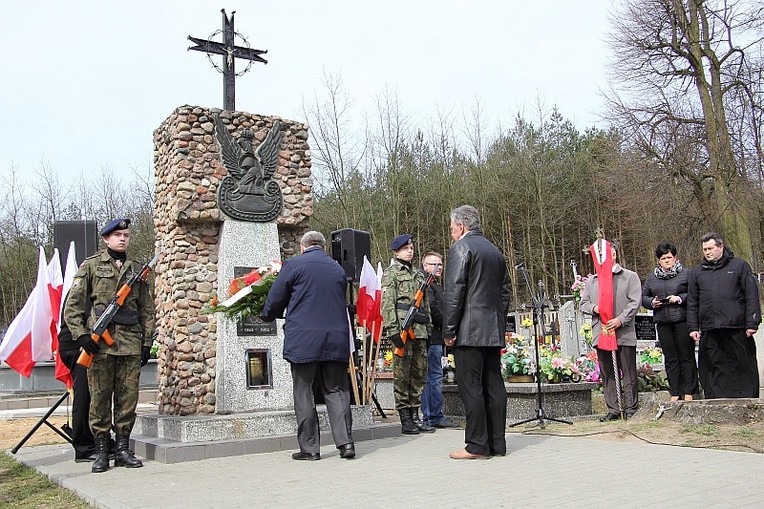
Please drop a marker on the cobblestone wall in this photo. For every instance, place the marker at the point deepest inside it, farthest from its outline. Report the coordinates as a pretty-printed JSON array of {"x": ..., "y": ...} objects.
[{"x": 187, "y": 223}]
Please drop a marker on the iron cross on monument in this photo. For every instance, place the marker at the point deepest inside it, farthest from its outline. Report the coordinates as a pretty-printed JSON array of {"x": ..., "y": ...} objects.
[{"x": 230, "y": 53}]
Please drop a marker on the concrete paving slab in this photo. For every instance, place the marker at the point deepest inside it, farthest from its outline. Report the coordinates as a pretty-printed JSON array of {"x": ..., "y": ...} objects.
[{"x": 539, "y": 471}]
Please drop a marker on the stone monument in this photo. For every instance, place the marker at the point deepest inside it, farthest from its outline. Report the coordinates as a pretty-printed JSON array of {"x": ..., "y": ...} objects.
[
  {"x": 224, "y": 388},
  {"x": 202, "y": 359}
]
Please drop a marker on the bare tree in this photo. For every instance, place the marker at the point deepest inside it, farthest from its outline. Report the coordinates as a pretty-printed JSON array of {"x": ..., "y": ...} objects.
[
  {"x": 337, "y": 151},
  {"x": 684, "y": 70}
]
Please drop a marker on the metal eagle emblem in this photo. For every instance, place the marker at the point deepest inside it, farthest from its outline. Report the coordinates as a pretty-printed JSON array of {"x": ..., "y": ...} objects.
[{"x": 247, "y": 193}]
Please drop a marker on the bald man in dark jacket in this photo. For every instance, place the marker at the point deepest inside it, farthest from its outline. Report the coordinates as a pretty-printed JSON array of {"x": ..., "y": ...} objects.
[{"x": 311, "y": 288}]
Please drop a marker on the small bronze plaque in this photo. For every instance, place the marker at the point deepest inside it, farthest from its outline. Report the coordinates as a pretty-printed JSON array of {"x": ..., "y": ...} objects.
[{"x": 259, "y": 369}]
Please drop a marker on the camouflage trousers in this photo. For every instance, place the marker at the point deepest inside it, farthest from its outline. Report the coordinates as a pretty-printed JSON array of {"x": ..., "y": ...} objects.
[
  {"x": 409, "y": 374},
  {"x": 113, "y": 377}
]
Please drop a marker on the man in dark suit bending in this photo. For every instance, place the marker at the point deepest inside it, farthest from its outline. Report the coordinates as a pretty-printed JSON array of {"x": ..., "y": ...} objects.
[{"x": 311, "y": 288}]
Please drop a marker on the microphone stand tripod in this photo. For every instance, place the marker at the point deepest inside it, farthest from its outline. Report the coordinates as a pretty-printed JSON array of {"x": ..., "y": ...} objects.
[{"x": 538, "y": 319}]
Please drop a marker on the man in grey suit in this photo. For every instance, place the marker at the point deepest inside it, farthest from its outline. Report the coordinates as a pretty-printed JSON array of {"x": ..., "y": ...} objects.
[
  {"x": 311, "y": 288},
  {"x": 475, "y": 305}
]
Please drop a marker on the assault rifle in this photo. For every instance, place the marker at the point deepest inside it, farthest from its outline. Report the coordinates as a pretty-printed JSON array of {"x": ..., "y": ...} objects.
[
  {"x": 101, "y": 327},
  {"x": 407, "y": 330}
]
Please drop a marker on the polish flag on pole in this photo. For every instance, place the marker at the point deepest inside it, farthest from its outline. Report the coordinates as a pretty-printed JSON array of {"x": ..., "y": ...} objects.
[
  {"x": 28, "y": 338},
  {"x": 69, "y": 272},
  {"x": 33, "y": 334},
  {"x": 55, "y": 290},
  {"x": 368, "y": 305},
  {"x": 62, "y": 372}
]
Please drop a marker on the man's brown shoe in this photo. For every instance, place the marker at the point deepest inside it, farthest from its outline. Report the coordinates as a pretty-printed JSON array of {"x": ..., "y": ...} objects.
[{"x": 463, "y": 454}]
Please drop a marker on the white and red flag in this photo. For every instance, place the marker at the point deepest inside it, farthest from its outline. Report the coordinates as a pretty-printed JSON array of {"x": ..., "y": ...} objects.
[
  {"x": 33, "y": 335},
  {"x": 603, "y": 263},
  {"x": 369, "y": 303}
]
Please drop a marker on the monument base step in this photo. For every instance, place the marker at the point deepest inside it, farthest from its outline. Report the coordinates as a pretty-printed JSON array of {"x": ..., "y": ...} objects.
[
  {"x": 172, "y": 451},
  {"x": 244, "y": 425},
  {"x": 174, "y": 438}
]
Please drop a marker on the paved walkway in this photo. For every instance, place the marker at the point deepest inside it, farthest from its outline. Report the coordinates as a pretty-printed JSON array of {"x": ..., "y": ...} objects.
[{"x": 539, "y": 471}]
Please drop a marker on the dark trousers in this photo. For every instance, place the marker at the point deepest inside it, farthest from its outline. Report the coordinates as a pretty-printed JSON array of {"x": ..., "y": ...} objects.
[
  {"x": 82, "y": 438},
  {"x": 727, "y": 364},
  {"x": 335, "y": 386},
  {"x": 481, "y": 387},
  {"x": 679, "y": 353},
  {"x": 627, "y": 363}
]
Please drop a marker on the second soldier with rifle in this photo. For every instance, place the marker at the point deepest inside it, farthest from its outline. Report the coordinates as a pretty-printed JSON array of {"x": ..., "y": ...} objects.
[
  {"x": 400, "y": 284},
  {"x": 114, "y": 374}
]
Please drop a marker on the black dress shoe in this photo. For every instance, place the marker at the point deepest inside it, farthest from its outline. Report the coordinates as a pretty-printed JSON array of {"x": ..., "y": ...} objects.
[
  {"x": 347, "y": 451},
  {"x": 82, "y": 458},
  {"x": 612, "y": 416},
  {"x": 306, "y": 456},
  {"x": 628, "y": 414}
]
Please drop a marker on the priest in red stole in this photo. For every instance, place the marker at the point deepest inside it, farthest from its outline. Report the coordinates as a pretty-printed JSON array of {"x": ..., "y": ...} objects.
[{"x": 612, "y": 297}]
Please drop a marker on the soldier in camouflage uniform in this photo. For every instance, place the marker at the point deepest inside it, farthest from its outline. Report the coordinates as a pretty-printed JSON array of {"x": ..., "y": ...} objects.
[
  {"x": 400, "y": 283},
  {"x": 115, "y": 372}
]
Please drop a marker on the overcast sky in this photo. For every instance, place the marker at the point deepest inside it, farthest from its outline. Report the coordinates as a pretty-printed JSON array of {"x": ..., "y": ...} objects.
[{"x": 86, "y": 82}]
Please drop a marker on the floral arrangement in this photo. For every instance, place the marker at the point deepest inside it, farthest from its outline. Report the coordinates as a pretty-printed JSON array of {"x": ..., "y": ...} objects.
[
  {"x": 554, "y": 368},
  {"x": 651, "y": 356},
  {"x": 247, "y": 293},
  {"x": 649, "y": 380},
  {"x": 578, "y": 286},
  {"x": 154, "y": 352},
  {"x": 586, "y": 368},
  {"x": 527, "y": 323},
  {"x": 385, "y": 363},
  {"x": 586, "y": 332},
  {"x": 515, "y": 357},
  {"x": 449, "y": 368}
]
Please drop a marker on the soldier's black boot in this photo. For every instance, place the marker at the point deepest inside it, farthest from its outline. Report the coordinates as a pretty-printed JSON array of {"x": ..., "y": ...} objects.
[
  {"x": 421, "y": 426},
  {"x": 101, "y": 463},
  {"x": 407, "y": 425},
  {"x": 124, "y": 456}
]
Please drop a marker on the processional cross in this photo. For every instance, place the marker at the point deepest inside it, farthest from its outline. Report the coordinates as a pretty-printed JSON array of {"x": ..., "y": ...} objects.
[{"x": 230, "y": 53}]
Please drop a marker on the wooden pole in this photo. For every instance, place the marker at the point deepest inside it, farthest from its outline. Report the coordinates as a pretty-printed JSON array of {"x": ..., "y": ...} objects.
[
  {"x": 351, "y": 370},
  {"x": 364, "y": 356},
  {"x": 375, "y": 348}
]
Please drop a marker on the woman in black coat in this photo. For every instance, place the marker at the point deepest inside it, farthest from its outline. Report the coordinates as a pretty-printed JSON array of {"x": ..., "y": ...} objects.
[{"x": 665, "y": 292}]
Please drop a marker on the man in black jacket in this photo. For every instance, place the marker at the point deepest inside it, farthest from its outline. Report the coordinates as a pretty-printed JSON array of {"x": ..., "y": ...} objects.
[
  {"x": 432, "y": 396},
  {"x": 475, "y": 305},
  {"x": 723, "y": 313}
]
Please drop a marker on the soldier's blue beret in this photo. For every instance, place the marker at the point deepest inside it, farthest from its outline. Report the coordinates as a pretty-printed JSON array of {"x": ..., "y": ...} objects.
[
  {"x": 115, "y": 224},
  {"x": 400, "y": 241}
]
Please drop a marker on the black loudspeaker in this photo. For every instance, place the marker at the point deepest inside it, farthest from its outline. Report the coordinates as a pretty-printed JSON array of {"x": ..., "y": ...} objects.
[
  {"x": 83, "y": 233},
  {"x": 348, "y": 249}
]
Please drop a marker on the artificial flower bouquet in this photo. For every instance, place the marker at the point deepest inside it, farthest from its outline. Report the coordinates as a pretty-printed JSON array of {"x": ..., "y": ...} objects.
[
  {"x": 516, "y": 357},
  {"x": 247, "y": 293}
]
